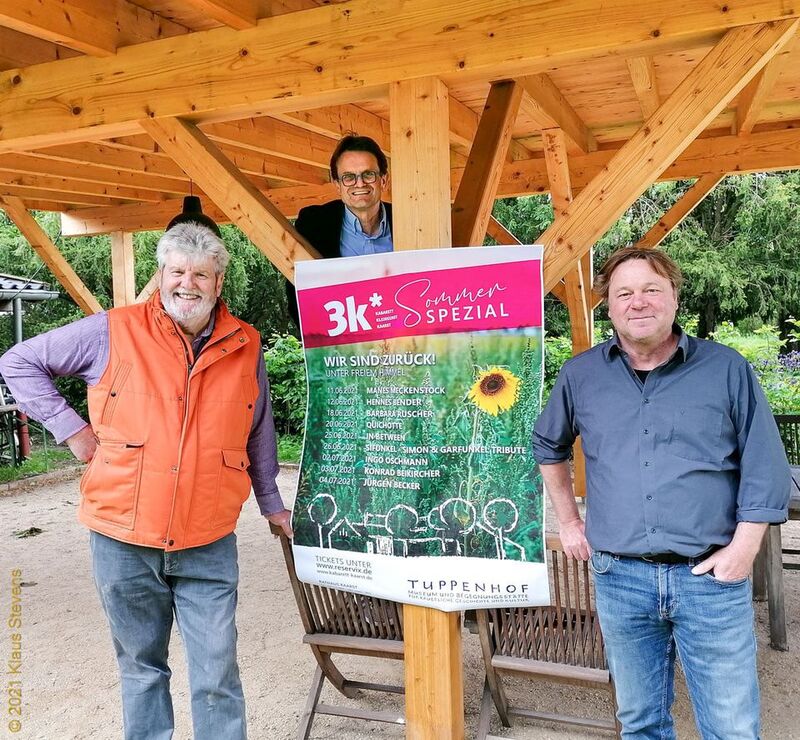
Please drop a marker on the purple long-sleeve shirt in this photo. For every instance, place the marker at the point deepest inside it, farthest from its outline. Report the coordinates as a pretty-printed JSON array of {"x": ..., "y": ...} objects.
[{"x": 81, "y": 349}]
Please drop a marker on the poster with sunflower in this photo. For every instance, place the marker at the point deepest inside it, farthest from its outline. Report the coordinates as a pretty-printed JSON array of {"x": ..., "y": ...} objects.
[{"x": 417, "y": 482}]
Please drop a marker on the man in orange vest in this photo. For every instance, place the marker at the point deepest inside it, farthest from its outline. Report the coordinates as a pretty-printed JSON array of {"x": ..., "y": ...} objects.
[{"x": 180, "y": 428}]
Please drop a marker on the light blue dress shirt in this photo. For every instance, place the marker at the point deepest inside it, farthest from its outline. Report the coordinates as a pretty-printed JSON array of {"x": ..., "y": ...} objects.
[{"x": 354, "y": 242}]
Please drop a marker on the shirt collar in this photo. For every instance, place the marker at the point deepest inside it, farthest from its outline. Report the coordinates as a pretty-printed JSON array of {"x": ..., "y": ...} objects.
[
  {"x": 351, "y": 223},
  {"x": 612, "y": 346}
]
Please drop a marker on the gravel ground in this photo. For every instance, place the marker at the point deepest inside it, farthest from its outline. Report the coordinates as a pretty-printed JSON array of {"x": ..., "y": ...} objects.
[{"x": 69, "y": 673}]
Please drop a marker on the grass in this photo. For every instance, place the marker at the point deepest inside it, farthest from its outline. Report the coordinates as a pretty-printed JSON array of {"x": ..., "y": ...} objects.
[
  {"x": 289, "y": 448},
  {"x": 40, "y": 461}
]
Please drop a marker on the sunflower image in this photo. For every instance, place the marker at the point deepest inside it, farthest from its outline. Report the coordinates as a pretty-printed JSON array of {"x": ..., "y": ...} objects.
[{"x": 495, "y": 390}]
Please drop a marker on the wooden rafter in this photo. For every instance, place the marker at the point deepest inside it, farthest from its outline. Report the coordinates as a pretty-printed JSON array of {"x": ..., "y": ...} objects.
[
  {"x": 679, "y": 211},
  {"x": 247, "y": 207},
  {"x": 234, "y": 13},
  {"x": 545, "y": 104},
  {"x": 44, "y": 247},
  {"x": 149, "y": 288},
  {"x": 123, "y": 277},
  {"x": 298, "y": 61},
  {"x": 338, "y": 120},
  {"x": 719, "y": 76},
  {"x": 752, "y": 99},
  {"x": 97, "y": 27},
  {"x": 478, "y": 188},
  {"x": 769, "y": 150},
  {"x": 21, "y": 50},
  {"x": 645, "y": 84},
  {"x": 269, "y": 136},
  {"x": 71, "y": 186}
]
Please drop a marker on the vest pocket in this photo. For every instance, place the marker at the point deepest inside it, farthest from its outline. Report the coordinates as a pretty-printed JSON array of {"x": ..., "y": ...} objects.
[
  {"x": 120, "y": 376},
  {"x": 233, "y": 488},
  {"x": 110, "y": 485}
]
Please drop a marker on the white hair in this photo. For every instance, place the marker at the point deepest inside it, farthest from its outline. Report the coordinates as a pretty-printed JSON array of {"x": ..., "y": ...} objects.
[{"x": 195, "y": 241}]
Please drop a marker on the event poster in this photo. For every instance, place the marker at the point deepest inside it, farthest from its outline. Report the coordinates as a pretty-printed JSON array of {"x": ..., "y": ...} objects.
[{"x": 417, "y": 482}]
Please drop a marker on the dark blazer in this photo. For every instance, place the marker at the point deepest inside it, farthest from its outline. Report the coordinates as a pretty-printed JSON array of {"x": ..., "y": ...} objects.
[{"x": 322, "y": 228}]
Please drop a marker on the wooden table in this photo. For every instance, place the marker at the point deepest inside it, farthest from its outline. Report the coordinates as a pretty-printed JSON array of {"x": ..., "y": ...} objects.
[{"x": 769, "y": 572}]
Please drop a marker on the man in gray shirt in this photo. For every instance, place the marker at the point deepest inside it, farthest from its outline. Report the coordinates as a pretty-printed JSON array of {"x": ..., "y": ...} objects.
[{"x": 685, "y": 471}]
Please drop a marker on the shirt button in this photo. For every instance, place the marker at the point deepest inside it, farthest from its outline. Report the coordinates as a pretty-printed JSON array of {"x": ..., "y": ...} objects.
[
  {"x": 652, "y": 530},
  {"x": 647, "y": 431},
  {"x": 647, "y": 463},
  {"x": 646, "y": 400},
  {"x": 649, "y": 498}
]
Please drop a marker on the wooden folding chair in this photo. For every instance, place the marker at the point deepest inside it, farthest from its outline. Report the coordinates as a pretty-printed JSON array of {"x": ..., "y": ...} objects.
[
  {"x": 558, "y": 643},
  {"x": 341, "y": 622}
]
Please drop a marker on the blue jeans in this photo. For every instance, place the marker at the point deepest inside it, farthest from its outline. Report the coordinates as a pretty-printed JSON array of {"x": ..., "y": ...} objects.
[
  {"x": 646, "y": 610},
  {"x": 140, "y": 589}
]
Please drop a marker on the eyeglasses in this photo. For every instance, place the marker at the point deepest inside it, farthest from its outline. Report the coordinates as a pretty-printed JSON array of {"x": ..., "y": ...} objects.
[{"x": 349, "y": 179}]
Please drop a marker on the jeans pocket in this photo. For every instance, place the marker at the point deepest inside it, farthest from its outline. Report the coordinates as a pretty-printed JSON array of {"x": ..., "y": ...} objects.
[
  {"x": 728, "y": 584},
  {"x": 600, "y": 562}
]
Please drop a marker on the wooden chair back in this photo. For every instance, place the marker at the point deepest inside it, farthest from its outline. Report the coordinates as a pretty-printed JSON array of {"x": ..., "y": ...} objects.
[
  {"x": 561, "y": 643},
  {"x": 341, "y": 622}
]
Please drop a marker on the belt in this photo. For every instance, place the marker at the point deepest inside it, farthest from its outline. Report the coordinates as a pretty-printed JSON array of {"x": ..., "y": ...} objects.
[{"x": 672, "y": 558}]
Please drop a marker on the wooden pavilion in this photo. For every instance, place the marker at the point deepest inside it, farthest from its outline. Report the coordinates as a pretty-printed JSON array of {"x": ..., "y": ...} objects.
[{"x": 112, "y": 110}]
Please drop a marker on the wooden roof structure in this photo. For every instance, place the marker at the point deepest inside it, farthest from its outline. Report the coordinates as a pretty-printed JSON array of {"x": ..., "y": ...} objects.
[{"x": 112, "y": 110}]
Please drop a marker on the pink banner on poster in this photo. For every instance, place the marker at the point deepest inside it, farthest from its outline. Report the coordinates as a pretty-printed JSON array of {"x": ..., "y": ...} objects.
[{"x": 485, "y": 297}]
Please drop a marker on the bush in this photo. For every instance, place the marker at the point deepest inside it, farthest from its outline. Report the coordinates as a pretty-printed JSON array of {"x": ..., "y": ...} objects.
[{"x": 287, "y": 379}]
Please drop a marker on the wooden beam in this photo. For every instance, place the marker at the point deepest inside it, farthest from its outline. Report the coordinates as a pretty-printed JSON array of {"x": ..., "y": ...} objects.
[
  {"x": 149, "y": 288},
  {"x": 580, "y": 314},
  {"x": 478, "y": 188},
  {"x": 123, "y": 277},
  {"x": 247, "y": 207},
  {"x": 21, "y": 50},
  {"x": 752, "y": 99},
  {"x": 96, "y": 27},
  {"x": 300, "y": 60},
  {"x": 550, "y": 109},
  {"x": 464, "y": 126},
  {"x": 759, "y": 152},
  {"x": 555, "y": 151},
  {"x": 270, "y": 136},
  {"x": 238, "y": 14},
  {"x": 645, "y": 84},
  {"x": 679, "y": 210},
  {"x": 49, "y": 254},
  {"x": 421, "y": 203},
  {"x": 338, "y": 120},
  {"x": 719, "y": 76},
  {"x": 151, "y": 216},
  {"x": 421, "y": 169},
  {"x": 68, "y": 186},
  {"x": 502, "y": 235}
]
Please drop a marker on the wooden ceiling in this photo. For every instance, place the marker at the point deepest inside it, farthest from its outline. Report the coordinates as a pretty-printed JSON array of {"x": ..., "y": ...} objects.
[{"x": 275, "y": 84}]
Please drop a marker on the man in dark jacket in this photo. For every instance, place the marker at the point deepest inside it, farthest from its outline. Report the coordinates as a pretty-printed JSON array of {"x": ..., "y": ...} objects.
[{"x": 359, "y": 222}]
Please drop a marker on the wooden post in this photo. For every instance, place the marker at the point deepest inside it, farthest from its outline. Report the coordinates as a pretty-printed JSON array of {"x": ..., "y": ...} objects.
[
  {"x": 122, "y": 275},
  {"x": 421, "y": 203},
  {"x": 576, "y": 281}
]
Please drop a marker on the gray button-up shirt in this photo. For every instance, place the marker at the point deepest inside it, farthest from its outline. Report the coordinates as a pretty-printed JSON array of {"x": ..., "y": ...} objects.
[{"x": 674, "y": 463}]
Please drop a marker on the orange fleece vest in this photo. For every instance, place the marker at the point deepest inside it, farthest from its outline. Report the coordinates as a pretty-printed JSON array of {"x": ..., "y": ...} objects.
[{"x": 171, "y": 467}]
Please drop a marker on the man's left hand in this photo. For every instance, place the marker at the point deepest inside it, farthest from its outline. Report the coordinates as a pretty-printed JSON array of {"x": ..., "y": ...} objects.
[
  {"x": 282, "y": 519},
  {"x": 735, "y": 561}
]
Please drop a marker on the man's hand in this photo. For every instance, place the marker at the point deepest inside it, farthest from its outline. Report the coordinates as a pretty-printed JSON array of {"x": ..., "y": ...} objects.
[
  {"x": 573, "y": 540},
  {"x": 282, "y": 519},
  {"x": 735, "y": 561},
  {"x": 83, "y": 444}
]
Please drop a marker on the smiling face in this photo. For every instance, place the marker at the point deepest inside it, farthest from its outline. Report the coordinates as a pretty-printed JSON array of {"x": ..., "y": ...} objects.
[
  {"x": 360, "y": 197},
  {"x": 641, "y": 304},
  {"x": 189, "y": 290}
]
